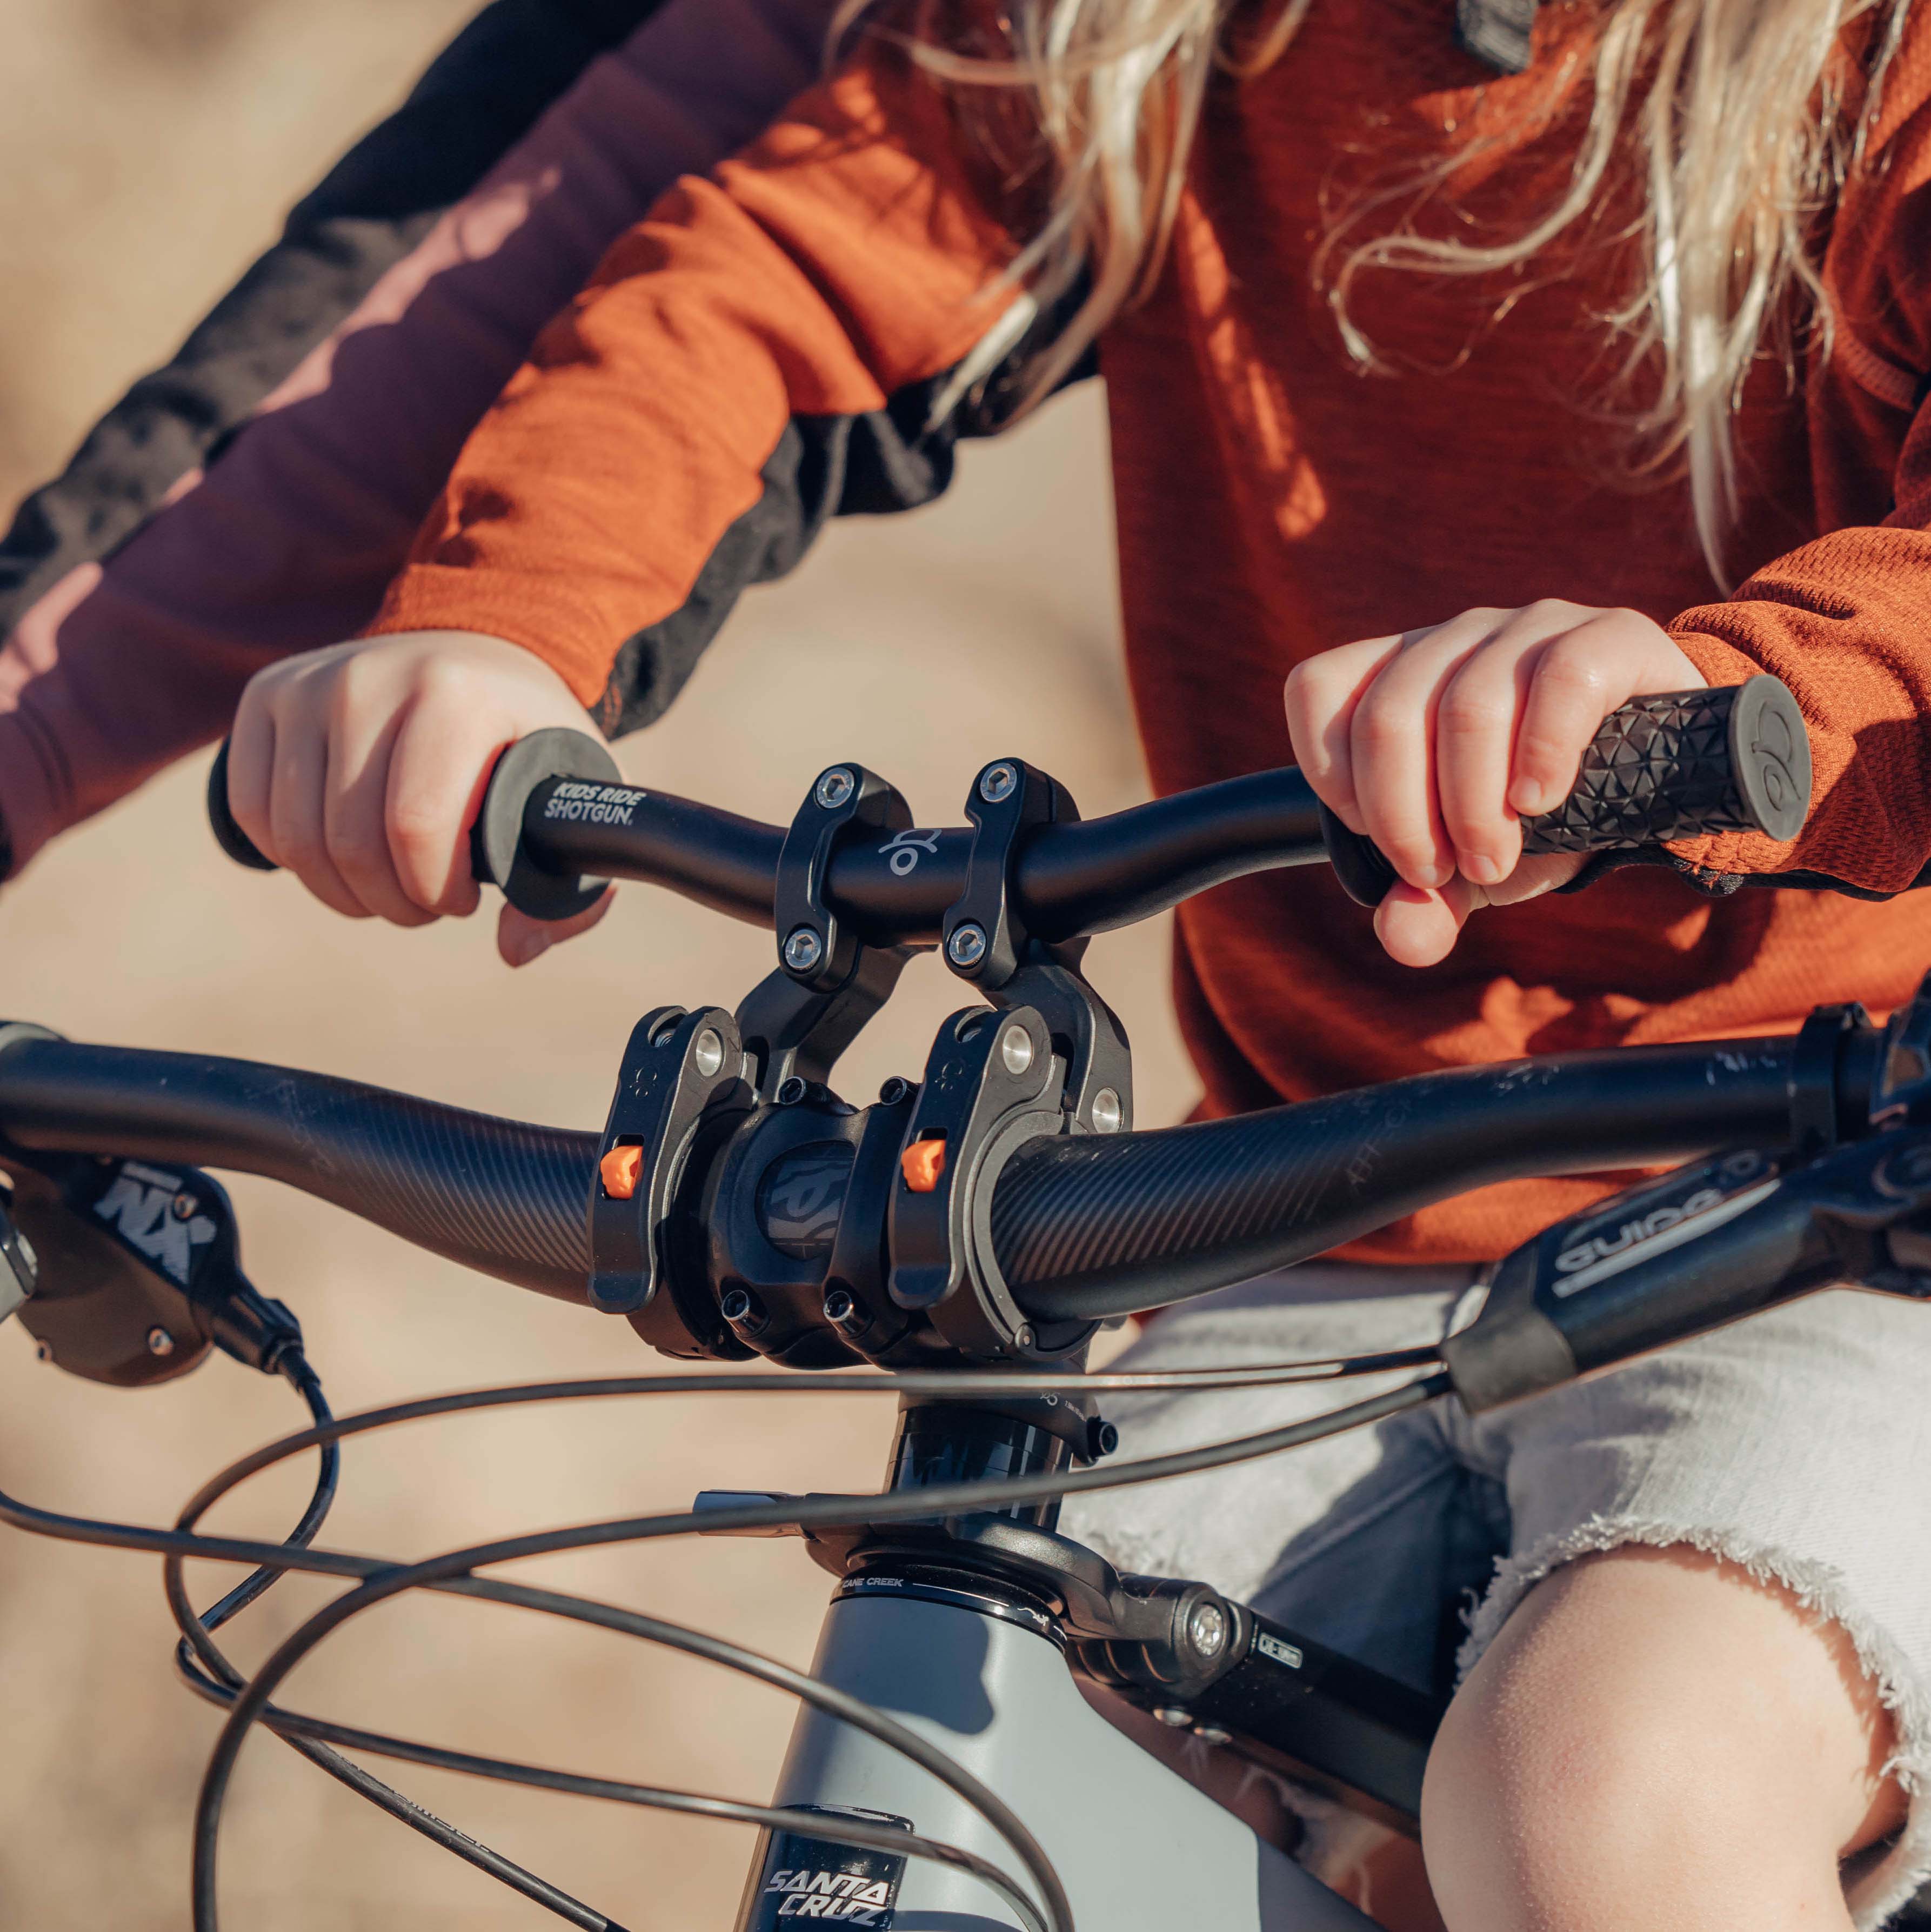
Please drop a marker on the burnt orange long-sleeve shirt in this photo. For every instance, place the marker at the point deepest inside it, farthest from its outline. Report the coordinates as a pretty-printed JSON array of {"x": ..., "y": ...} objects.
[{"x": 790, "y": 337}]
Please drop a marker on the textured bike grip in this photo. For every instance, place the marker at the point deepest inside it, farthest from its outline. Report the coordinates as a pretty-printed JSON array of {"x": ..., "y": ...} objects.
[
  {"x": 1736, "y": 758},
  {"x": 228, "y": 835}
]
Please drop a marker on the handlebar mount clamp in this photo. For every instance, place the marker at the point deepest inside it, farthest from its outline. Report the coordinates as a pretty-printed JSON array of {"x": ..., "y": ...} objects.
[
  {"x": 1051, "y": 1058},
  {"x": 829, "y": 982},
  {"x": 683, "y": 1074}
]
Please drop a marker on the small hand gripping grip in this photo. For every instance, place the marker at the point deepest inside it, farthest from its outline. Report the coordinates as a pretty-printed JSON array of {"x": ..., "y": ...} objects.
[
  {"x": 1736, "y": 758},
  {"x": 497, "y": 854}
]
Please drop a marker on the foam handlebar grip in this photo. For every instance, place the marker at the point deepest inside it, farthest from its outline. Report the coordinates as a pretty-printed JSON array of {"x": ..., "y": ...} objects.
[
  {"x": 497, "y": 857},
  {"x": 1734, "y": 758},
  {"x": 228, "y": 834}
]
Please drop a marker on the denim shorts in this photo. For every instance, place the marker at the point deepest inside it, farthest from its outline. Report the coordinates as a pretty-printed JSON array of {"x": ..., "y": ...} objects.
[{"x": 1797, "y": 1445}]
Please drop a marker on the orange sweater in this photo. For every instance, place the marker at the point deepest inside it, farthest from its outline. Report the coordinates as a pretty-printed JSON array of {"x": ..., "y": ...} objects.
[{"x": 780, "y": 341}]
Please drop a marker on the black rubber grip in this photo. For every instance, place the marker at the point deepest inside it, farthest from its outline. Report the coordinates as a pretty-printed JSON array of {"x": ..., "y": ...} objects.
[
  {"x": 500, "y": 1196},
  {"x": 221, "y": 820},
  {"x": 1089, "y": 1226},
  {"x": 1736, "y": 758}
]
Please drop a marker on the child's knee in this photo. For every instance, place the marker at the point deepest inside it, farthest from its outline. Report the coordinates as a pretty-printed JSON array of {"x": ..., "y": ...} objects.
[{"x": 1648, "y": 1721}]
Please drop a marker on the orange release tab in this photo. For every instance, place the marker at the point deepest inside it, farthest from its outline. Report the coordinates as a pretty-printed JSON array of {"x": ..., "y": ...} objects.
[
  {"x": 621, "y": 1168},
  {"x": 923, "y": 1162}
]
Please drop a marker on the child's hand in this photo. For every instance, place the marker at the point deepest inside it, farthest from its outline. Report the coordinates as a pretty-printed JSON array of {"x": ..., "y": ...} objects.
[
  {"x": 361, "y": 768},
  {"x": 1437, "y": 742}
]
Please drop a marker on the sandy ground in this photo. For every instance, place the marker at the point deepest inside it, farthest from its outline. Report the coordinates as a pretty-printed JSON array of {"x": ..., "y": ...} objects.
[{"x": 147, "y": 149}]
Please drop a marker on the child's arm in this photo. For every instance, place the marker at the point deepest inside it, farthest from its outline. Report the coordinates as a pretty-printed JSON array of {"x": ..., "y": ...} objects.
[
  {"x": 256, "y": 497},
  {"x": 1435, "y": 743},
  {"x": 800, "y": 336}
]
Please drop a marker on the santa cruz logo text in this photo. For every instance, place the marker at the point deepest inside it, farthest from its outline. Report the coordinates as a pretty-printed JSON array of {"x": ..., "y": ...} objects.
[
  {"x": 828, "y": 1882},
  {"x": 844, "y": 1898}
]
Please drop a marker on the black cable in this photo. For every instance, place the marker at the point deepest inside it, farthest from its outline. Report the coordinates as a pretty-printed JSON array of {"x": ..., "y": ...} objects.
[
  {"x": 207, "y": 1672},
  {"x": 808, "y": 1513},
  {"x": 380, "y": 1581},
  {"x": 541, "y": 1777},
  {"x": 921, "y": 1382}
]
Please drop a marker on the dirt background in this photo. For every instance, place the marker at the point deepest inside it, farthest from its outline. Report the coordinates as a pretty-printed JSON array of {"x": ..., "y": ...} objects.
[{"x": 148, "y": 148}]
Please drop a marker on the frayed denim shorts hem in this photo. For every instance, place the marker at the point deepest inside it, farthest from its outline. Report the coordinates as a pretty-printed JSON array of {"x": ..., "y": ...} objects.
[{"x": 1792, "y": 1445}]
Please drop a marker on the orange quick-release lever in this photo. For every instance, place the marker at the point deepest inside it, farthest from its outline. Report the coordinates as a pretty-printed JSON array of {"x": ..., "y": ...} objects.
[
  {"x": 922, "y": 1163},
  {"x": 621, "y": 1168}
]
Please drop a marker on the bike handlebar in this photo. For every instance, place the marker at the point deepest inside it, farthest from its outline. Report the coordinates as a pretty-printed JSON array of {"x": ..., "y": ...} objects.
[
  {"x": 1083, "y": 1228},
  {"x": 557, "y": 823}
]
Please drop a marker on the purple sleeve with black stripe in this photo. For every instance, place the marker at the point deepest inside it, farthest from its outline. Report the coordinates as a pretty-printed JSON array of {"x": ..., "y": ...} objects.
[{"x": 279, "y": 531}]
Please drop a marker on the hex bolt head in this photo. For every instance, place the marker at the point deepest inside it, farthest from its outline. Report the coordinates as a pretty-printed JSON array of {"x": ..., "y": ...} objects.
[
  {"x": 793, "y": 1091},
  {"x": 839, "y": 1306},
  {"x": 803, "y": 948},
  {"x": 1108, "y": 1116},
  {"x": 1212, "y": 1734},
  {"x": 967, "y": 947},
  {"x": 743, "y": 1310},
  {"x": 1015, "y": 1049},
  {"x": 1206, "y": 1629},
  {"x": 836, "y": 787},
  {"x": 894, "y": 1090},
  {"x": 1022, "y": 1336},
  {"x": 998, "y": 782},
  {"x": 184, "y": 1207},
  {"x": 1175, "y": 1717},
  {"x": 1102, "y": 1438},
  {"x": 707, "y": 1052},
  {"x": 159, "y": 1341}
]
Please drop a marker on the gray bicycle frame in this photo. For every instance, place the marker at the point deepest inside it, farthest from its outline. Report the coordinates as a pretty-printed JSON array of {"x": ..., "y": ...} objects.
[{"x": 1136, "y": 1847}]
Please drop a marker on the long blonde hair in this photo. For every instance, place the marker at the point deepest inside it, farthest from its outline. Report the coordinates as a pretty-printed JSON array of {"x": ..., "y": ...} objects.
[{"x": 1744, "y": 115}]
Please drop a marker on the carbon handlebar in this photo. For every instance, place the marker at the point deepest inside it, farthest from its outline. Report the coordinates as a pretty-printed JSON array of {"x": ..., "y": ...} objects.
[
  {"x": 557, "y": 823},
  {"x": 1084, "y": 1229}
]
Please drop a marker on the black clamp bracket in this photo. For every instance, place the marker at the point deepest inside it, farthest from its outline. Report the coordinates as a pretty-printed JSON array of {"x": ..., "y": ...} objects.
[
  {"x": 683, "y": 1074},
  {"x": 983, "y": 939},
  {"x": 829, "y": 983},
  {"x": 1051, "y": 1057}
]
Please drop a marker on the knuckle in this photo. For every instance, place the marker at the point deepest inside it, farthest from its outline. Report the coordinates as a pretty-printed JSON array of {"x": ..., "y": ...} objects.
[
  {"x": 419, "y": 830},
  {"x": 1382, "y": 729},
  {"x": 1466, "y": 712}
]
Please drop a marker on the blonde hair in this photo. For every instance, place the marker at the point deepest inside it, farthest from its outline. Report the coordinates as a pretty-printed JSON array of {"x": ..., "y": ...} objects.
[{"x": 1745, "y": 116}]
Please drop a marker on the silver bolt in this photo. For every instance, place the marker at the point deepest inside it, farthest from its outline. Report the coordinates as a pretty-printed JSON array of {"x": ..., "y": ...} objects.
[
  {"x": 1212, "y": 1734},
  {"x": 707, "y": 1052},
  {"x": 1207, "y": 1628},
  {"x": 793, "y": 1091},
  {"x": 1174, "y": 1717},
  {"x": 186, "y": 1207},
  {"x": 1022, "y": 1336},
  {"x": 803, "y": 949},
  {"x": 967, "y": 947},
  {"x": 159, "y": 1341},
  {"x": 997, "y": 782},
  {"x": 836, "y": 787},
  {"x": 842, "y": 1309},
  {"x": 1015, "y": 1049},
  {"x": 1107, "y": 1114}
]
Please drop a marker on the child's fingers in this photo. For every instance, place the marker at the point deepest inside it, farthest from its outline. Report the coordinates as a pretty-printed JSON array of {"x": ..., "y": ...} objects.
[
  {"x": 443, "y": 756},
  {"x": 1476, "y": 721},
  {"x": 297, "y": 804},
  {"x": 1420, "y": 929},
  {"x": 1391, "y": 743},
  {"x": 1321, "y": 695},
  {"x": 1584, "y": 675},
  {"x": 520, "y": 939},
  {"x": 359, "y": 753}
]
